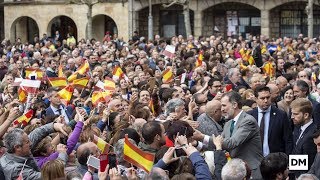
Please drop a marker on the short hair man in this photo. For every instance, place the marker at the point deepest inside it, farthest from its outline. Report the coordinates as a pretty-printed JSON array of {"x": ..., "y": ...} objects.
[
  {"x": 274, "y": 166},
  {"x": 241, "y": 133},
  {"x": 153, "y": 135},
  {"x": 301, "y": 109}
]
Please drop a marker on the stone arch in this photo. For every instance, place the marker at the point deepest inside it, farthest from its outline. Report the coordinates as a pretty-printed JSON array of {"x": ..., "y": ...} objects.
[
  {"x": 64, "y": 24},
  {"x": 209, "y": 3},
  {"x": 231, "y": 19},
  {"x": 142, "y": 4},
  {"x": 290, "y": 19},
  {"x": 167, "y": 22},
  {"x": 101, "y": 24},
  {"x": 277, "y": 3},
  {"x": 25, "y": 28}
]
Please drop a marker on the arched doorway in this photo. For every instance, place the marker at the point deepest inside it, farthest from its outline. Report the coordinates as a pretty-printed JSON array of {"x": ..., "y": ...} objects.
[
  {"x": 24, "y": 28},
  {"x": 64, "y": 25},
  {"x": 102, "y": 24},
  {"x": 231, "y": 19},
  {"x": 290, "y": 19},
  {"x": 167, "y": 22}
]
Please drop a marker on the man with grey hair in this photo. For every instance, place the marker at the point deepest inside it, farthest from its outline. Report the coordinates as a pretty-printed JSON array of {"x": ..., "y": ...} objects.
[
  {"x": 235, "y": 169},
  {"x": 158, "y": 174},
  {"x": 307, "y": 177},
  {"x": 175, "y": 108},
  {"x": 234, "y": 77},
  {"x": 18, "y": 158}
]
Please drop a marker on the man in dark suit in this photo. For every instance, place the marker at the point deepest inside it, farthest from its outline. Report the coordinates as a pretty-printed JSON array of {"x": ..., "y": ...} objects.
[
  {"x": 303, "y": 130},
  {"x": 275, "y": 130},
  {"x": 301, "y": 90},
  {"x": 51, "y": 70},
  {"x": 241, "y": 133},
  {"x": 315, "y": 168},
  {"x": 56, "y": 108}
]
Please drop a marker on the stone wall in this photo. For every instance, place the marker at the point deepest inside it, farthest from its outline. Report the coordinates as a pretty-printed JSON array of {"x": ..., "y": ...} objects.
[{"x": 43, "y": 15}]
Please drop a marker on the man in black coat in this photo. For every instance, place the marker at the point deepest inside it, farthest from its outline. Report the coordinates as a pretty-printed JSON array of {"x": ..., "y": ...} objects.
[
  {"x": 303, "y": 131},
  {"x": 275, "y": 130}
]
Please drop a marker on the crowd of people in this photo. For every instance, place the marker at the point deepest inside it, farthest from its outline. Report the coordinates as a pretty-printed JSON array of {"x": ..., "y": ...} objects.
[{"x": 216, "y": 108}]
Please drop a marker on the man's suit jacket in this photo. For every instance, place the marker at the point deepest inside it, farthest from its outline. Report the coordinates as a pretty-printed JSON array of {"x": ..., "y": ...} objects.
[
  {"x": 245, "y": 142},
  {"x": 315, "y": 168},
  {"x": 68, "y": 109},
  {"x": 280, "y": 133},
  {"x": 316, "y": 111},
  {"x": 305, "y": 144}
]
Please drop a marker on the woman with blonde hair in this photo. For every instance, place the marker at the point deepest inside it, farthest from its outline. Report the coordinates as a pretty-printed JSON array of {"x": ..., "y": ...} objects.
[{"x": 53, "y": 170}]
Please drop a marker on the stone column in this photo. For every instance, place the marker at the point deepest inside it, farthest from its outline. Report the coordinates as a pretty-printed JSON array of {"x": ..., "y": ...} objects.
[
  {"x": 198, "y": 14},
  {"x": 265, "y": 22}
]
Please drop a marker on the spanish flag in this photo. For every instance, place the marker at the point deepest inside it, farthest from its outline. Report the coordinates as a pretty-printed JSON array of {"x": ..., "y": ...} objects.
[
  {"x": 25, "y": 118},
  {"x": 100, "y": 96},
  {"x": 200, "y": 59},
  {"x": 103, "y": 146},
  {"x": 30, "y": 72},
  {"x": 136, "y": 156},
  {"x": 167, "y": 76},
  {"x": 118, "y": 72},
  {"x": 228, "y": 156},
  {"x": 81, "y": 83},
  {"x": 84, "y": 68},
  {"x": 268, "y": 69},
  {"x": 313, "y": 77},
  {"x": 66, "y": 94},
  {"x": 22, "y": 94},
  {"x": 151, "y": 106},
  {"x": 60, "y": 71},
  {"x": 263, "y": 49},
  {"x": 60, "y": 82},
  {"x": 109, "y": 84},
  {"x": 73, "y": 77}
]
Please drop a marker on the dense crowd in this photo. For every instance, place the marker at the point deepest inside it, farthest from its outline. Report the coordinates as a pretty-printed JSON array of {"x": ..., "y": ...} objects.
[{"x": 211, "y": 108}]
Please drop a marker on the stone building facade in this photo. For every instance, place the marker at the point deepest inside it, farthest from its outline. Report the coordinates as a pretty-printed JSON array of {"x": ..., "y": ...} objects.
[{"x": 273, "y": 18}]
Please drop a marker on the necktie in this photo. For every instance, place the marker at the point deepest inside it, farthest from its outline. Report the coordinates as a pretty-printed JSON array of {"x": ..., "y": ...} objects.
[
  {"x": 59, "y": 111},
  {"x": 299, "y": 135},
  {"x": 232, "y": 127},
  {"x": 262, "y": 127}
]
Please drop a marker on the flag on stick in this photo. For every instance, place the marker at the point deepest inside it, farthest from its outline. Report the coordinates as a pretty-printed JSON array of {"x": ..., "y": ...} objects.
[
  {"x": 66, "y": 94},
  {"x": 25, "y": 118},
  {"x": 103, "y": 146},
  {"x": 139, "y": 158},
  {"x": 167, "y": 76},
  {"x": 60, "y": 82}
]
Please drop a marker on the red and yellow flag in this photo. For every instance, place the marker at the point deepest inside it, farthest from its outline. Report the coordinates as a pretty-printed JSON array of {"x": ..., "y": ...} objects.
[
  {"x": 103, "y": 146},
  {"x": 200, "y": 59},
  {"x": 60, "y": 82},
  {"x": 73, "y": 77},
  {"x": 136, "y": 156},
  {"x": 269, "y": 69},
  {"x": 81, "y": 83},
  {"x": 60, "y": 71},
  {"x": 100, "y": 96},
  {"x": 66, "y": 94},
  {"x": 22, "y": 95},
  {"x": 151, "y": 106},
  {"x": 118, "y": 72},
  {"x": 167, "y": 76},
  {"x": 84, "y": 68},
  {"x": 25, "y": 118},
  {"x": 37, "y": 72},
  {"x": 109, "y": 84}
]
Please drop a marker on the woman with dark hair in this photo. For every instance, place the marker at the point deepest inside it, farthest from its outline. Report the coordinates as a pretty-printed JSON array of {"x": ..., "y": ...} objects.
[{"x": 287, "y": 97}]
